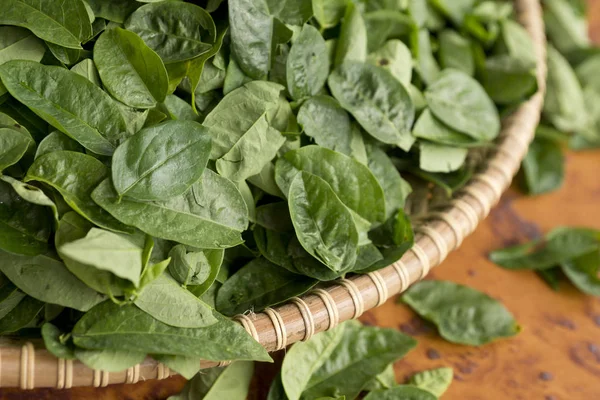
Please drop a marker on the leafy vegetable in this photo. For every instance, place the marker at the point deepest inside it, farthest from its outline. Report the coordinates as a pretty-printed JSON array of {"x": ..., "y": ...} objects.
[
  {"x": 435, "y": 381},
  {"x": 462, "y": 315}
]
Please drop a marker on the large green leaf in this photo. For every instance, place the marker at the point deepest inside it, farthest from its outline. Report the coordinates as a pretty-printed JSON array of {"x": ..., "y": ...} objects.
[
  {"x": 110, "y": 326},
  {"x": 66, "y": 24},
  {"x": 324, "y": 225},
  {"x": 131, "y": 71},
  {"x": 307, "y": 64},
  {"x": 24, "y": 314},
  {"x": 108, "y": 359},
  {"x": 258, "y": 285},
  {"x": 24, "y": 227},
  {"x": 75, "y": 175},
  {"x": 212, "y": 215},
  {"x": 462, "y": 315},
  {"x": 173, "y": 305},
  {"x": 56, "y": 94},
  {"x": 353, "y": 182},
  {"x": 48, "y": 280},
  {"x": 177, "y": 31},
  {"x": 377, "y": 100},
  {"x": 460, "y": 102},
  {"x": 161, "y": 162},
  {"x": 352, "y": 42}
]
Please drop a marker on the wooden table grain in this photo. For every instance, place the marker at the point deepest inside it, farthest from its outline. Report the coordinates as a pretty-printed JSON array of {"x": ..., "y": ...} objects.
[{"x": 555, "y": 357}]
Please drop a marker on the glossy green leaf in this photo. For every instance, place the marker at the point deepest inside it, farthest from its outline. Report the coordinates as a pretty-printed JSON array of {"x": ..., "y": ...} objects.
[
  {"x": 25, "y": 227},
  {"x": 211, "y": 215},
  {"x": 560, "y": 245},
  {"x": 177, "y": 31},
  {"x": 461, "y": 314},
  {"x": 48, "y": 280},
  {"x": 130, "y": 71},
  {"x": 11, "y": 297},
  {"x": 173, "y": 305},
  {"x": 187, "y": 367},
  {"x": 583, "y": 272},
  {"x": 307, "y": 64},
  {"x": 53, "y": 340},
  {"x": 31, "y": 194},
  {"x": 292, "y": 12},
  {"x": 110, "y": 326},
  {"x": 455, "y": 52},
  {"x": 107, "y": 251},
  {"x": 55, "y": 95},
  {"x": 13, "y": 146},
  {"x": 543, "y": 166},
  {"x": 352, "y": 42},
  {"x": 113, "y": 10},
  {"x": 396, "y": 58},
  {"x": 161, "y": 162},
  {"x": 19, "y": 44},
  {"x": 109, "y": 360},
  {"x": 67, "y": 25},
  {"x": 432, "y": 129},
  {"x": 24, "y": 314},
  {"x": 435, "y": 381},
  {"x": 435, "y": 157},
  {"x": 352, "y": 182},
  {"x": 327, "y": 123},
  {"x": 258, "y": 285},
  {"x": 388, "y": 114},
  {"x": 57, "y": 141},
  {"x": 508, "y": 80},
  {"x": 460, "y": 102},
  {"x": 232, "y": 382},
  {"x": 329, "y": 12},
  {"x": 325, "y": 227},
  {"x": 75, "y": 175},
  {"x": 404, "y": 392},
  {"x": 360, "y": 355}
]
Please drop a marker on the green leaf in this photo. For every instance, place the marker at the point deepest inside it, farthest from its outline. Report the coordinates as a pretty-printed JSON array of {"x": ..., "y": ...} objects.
[
  {"x": 441, "y": 158},
  {"x": 385, "y": 380},
  {"x": 325, "y": 227},
  {"x": 352, "y": 182},
  {"x": 396, "y": 58},
  {"x": 435, "y": 381},
  {"x": 31, "y": 194},
  {"x": 196, "y": 267},
  {"x": 24, "y": 314},
  {"x": 426, "y": 64},
  {"x": 543, "y": 166},
  {"x": 57, "y": 141},
  {"x": 360, "y": 355},
  {"x": 395, "y": 189},
  {"x": 113, "y": 10},
  {"x": 161, "y": 162},
  {"x": 329, "y": 13},
  {"x": 173, "y": 305},
  {"x": 565, "y": 29},
  {"x": 107, "y": 251},
  {"x": 560, "y": 245},
  {"x": 11, "y": 297},
  {"x": 109, "y": 326},
  {"x": 54, "y": 344},
  {"x": 377, "y": 100},
  {"x": 67, "y": 25},
  {"x": 187, "y": 367},
  {"x": 462, "y": 315},
  {"x": 48, "y": 280},
  {"x": 195, "y": 218},
  {"x": 456, "y": 10},
  {"x": 307, "y": 64},
  {"x": 403, "y": 392},
  {"x": 327, "y": 123},
  {"x": 231, "y": 383},
  {"x": 258, "y": 285},
  {"x": 130, "y": 71},
  {"x": 255, "y": 34},
  {"x": 292, "y": 12},
  {"x": 55, "y": 95},
  {"x": 564, "y": 104},
  {"x": 455, "y": 52},
  {"x": 13, "y": 146},
  {"x": 352, "y": 42},
  {"x": 275, "y": 216},
  {"x": 460, "y": 102},
  {"x": 19, "y": 44},
  {"x": 432, "y": 129},
  {"x": 177, "y": 31},
  {"x": 75, "y": 175},
  {"x": 24, "y": 227},
  {"x": 583, "y": 272},
  {"x": 109, "y": 360}
]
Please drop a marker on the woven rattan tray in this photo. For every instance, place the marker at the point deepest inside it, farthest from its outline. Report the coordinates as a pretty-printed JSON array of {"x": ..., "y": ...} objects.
[{"x": 28, "y": 365}]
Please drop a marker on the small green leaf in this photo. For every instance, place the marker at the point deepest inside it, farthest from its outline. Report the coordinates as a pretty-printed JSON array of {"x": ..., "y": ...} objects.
[{"x": 435, "y": 381}]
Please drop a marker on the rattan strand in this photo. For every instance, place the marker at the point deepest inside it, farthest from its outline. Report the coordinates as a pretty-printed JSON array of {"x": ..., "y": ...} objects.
[
  {"x": 382, "y": 289},
  {"x": 309, "y": 322}
]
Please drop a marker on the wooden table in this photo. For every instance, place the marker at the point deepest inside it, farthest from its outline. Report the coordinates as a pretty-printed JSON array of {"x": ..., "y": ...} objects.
[{"x": 556, "y": 357}]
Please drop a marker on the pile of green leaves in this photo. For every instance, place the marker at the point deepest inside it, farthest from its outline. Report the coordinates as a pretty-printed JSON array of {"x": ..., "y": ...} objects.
[
  {"x": 165, "y": 165},
  {"x": 564, "y": 251},
  {"x": 341, "y": 364},
  {"x": 571, "y": 115}
]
